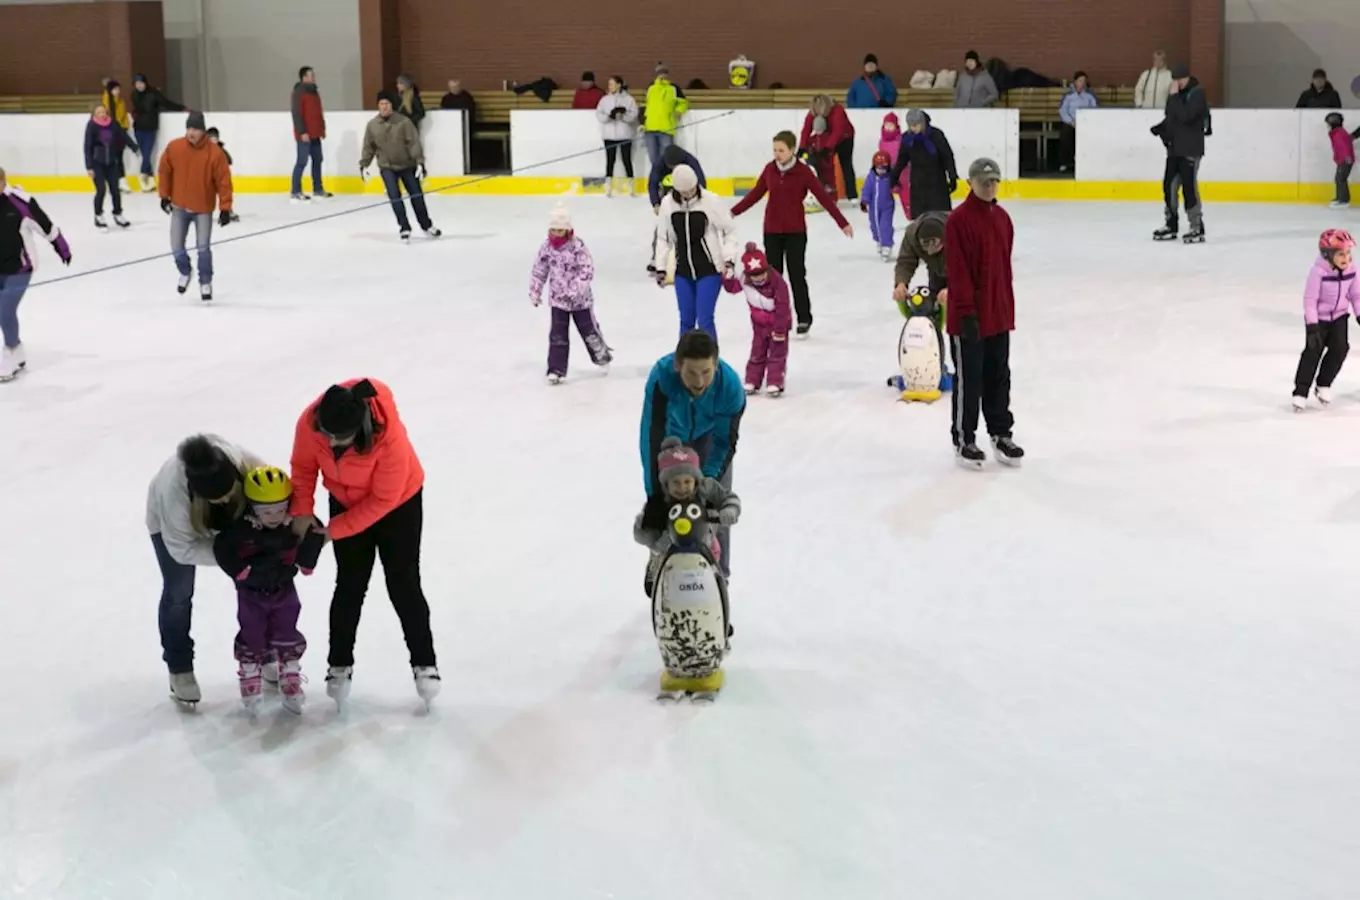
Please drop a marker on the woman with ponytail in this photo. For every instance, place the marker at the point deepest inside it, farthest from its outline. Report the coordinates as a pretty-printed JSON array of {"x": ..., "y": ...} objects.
[{"x": 353, "y": 437}]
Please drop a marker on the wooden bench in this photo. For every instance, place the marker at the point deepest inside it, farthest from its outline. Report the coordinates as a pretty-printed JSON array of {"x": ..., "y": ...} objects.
[{"x": 48, "y": 103}]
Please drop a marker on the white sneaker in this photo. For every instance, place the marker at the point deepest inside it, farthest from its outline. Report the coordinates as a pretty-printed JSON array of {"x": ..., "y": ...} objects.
[
  {"x": 338, "y": 682},
  {"x": 1300, "y": 403},
  {"x": 427, "y": 682},
  {"x": 1324, "y": 395},
  {"x": 184, "y": 688},
  {"x": 184, "y": 282},
  {"x": 12, "y": 362}
]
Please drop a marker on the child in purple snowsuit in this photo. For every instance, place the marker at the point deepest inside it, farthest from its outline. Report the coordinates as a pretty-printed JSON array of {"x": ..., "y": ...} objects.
[
  {"x": 767, "y": 293},
  {"x": 564, "y": 264},
  {"x": 878, "y": 201},
  {"x": 262, "y": 554}
]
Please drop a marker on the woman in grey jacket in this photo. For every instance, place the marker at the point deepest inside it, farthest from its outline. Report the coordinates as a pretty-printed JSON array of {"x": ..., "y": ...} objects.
[
  {"x": 196, "y": 493},
  {"x": 975, "y": 88},
  {"x": 618, "y": 115}
]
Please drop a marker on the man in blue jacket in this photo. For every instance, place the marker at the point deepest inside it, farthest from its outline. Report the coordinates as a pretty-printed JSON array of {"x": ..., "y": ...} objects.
[
  {"x": 696, "y": 397},
  {"x": 873, "y": 89}
]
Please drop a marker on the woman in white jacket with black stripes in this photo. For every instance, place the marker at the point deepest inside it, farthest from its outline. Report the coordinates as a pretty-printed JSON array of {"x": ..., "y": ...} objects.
[
  {"x": 695, "y": 224},
  {"x": 196, "y": 493},
  {"x": 618, "y": 116}
]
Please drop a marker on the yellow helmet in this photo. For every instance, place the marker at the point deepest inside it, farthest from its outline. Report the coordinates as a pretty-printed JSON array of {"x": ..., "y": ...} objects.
[{"x": 267, "y": 484}]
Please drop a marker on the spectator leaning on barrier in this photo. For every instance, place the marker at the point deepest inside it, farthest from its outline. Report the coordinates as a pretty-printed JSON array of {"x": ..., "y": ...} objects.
[
  {"x": 664, "y": 106},
  {"x": 1154, "y": 85},
  {"x": 409, "y": 104},
  {"x": 395, "y": 141},
  {"x": 1079, "y": 97},
  {"x": 457, "y": 98},
  {"x": 1320, "y": 94},
  {"x": 975, "y": 88},
  {"x": 872, "y": 89},
  {"x": 147, "y": 105},
  {"x": 309, "y": 130}
]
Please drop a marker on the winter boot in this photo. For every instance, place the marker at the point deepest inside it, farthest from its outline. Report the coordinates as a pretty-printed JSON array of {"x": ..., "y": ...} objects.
[
  {"x": 338, "y": 682},
  {"x": 290, "y": 685},
  {"x": 427, "y": 681},
  {"x": 970, "y": 457},
  {"x": 184, "y": 688},
  {"x": 1008, "y": 453}
]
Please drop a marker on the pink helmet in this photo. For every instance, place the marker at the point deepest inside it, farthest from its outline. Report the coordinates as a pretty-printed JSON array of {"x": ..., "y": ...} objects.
[{"x": 1335, "y": 239}]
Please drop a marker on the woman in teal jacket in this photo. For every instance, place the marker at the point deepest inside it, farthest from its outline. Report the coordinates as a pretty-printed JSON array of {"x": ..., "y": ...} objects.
[{"x": 696, "y": 397}]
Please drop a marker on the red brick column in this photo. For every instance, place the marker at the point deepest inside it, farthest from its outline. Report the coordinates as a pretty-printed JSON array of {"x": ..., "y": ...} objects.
[
  {"x": 1206, "y": 46},
  {"x": 379, "y": 46}
]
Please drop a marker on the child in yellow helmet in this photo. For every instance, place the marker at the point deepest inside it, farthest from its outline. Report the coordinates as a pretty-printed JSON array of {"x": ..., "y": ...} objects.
[{"x": 263, "y": 555}]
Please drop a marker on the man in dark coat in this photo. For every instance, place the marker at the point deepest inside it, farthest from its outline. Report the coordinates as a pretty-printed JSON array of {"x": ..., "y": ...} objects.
[
  {"x": 933, "y": 175},
  {"x": 1182, "y": 131},
  {"x": 147, "y": 105},
  {"x": 1320, "y": 94}
]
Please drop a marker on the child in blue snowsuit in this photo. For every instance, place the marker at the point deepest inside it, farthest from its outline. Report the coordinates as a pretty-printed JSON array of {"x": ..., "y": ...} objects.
[{"x": 878, "y": 201}]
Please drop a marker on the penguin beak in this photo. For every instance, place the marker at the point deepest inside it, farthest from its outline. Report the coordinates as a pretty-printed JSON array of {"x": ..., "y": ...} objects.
[{"x": 682, "y": 527}]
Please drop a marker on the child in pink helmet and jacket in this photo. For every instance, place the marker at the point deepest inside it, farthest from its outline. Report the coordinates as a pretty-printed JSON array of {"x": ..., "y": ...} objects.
[
  {"x": 1331, "y": 295},
  {"x": 767, "y": 294}
]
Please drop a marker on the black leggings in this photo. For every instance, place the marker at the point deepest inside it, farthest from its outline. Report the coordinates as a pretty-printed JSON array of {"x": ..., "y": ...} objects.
[
  {"x": 106, "y": 179},
  {"x": 613, "y": 149},
  {"x": 789, "y": 251}
]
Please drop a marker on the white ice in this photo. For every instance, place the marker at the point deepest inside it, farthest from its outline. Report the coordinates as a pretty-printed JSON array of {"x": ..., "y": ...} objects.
[{"x": 1129, "y": 670}]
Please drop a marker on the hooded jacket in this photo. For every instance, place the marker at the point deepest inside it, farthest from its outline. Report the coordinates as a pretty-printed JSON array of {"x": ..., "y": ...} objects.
[
  {"x": 1187, "y": 113},
  {"x": 1343, "y": 146},
  {"x": 656, "y": 181},
  {"x": 308, "y": 116},
  {"x": 912, "y": 254},
  {"x": 1312, "y": 98},
  {"x": 769, "y": 302},
  {"x": 665, "y": 105},
  {"x": 20, "y": 212},
  {"x": 669, "y": 410},
  {"x": 368, "y": 484},
  {"x": 395, "y": 141},
  {"x": 567, "y": 271}
]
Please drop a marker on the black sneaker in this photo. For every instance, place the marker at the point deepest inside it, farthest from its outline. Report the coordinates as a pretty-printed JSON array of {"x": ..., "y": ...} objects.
[
  {"x": 1008, "y": 452},
  {"x": 969, "y": 456}
]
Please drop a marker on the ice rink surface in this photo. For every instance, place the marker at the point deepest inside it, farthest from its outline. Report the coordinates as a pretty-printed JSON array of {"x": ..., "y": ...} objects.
[{"x": 1128, "y": 671}]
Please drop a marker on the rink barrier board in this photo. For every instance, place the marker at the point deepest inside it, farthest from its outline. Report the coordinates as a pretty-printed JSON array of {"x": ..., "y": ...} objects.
[{"x": 523, "y": 185}]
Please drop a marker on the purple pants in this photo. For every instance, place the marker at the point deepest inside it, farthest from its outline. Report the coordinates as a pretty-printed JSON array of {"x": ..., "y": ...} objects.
[
  {"x": 559, "y": 339},
  {"x": 769, "y": 357},
  {"x": 268, "y": 622}
]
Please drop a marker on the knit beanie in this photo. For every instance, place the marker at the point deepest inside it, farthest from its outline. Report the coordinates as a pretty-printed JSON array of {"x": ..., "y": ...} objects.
[
  {"x": 195, "y": 121},
  {"x": 891, "y": 118},
  {"x": 870, "y": 58},
  {"x": 676, "y": 459},
  {"x": 683, "y": 179},
  {"x": 560, "y": 217},
  {"x": 930, "y": 229},
  {"x": 753, "y": 261},
  {"x": 342, "y": 410},
  {"x": 916, "y": 117},
  {"x": 389, "y": 97},
  {"x": 210, "y": 472}
]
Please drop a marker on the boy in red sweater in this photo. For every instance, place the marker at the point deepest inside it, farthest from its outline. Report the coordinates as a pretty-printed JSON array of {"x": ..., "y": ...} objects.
[
  {"x": 788, "y": 182},
  {"x": 980, "y": 317}
]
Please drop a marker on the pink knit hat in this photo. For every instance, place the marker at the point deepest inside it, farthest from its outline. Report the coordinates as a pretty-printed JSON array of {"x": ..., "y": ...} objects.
[
  {"x": 676, "y": 459},
  {"x": 753, "y": 261}
]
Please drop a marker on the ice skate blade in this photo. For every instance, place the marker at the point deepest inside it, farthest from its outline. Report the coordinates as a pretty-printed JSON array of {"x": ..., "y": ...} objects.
[
  {"x": 1008, "y": 462},
  {"x": 972, "y": 465}
]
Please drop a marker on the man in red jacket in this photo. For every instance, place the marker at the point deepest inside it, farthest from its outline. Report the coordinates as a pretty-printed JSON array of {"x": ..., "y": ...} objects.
[
  {"x": 309, "y": 128},
  {"x": 980, "y": 317}
]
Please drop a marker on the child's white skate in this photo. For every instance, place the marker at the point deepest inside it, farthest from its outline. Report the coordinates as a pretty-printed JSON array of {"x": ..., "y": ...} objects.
[
  {"x": 290, "y": 685},
  {"x": 12, "y": 362},
  {"x": 750, "y": 389},
  {"x": 427, "y": 682},
  {"x": 1300, "y": 403},
  {"x": 184, "y": 688},
  {"x": 252, "y": 686},
  {"x": 1324, "y": 395},
  {"x": 338, "y": 682},
  {"x": 554, "y": 378},
  {"x": 774, "y": 390}
]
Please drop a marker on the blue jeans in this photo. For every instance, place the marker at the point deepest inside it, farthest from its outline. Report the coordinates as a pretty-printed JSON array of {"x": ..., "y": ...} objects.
[
  {"x": 394, "y": 181},
  {"x": 146, "y": 142},
  {"x": 12, "y": 289},
  {"x": 179, "y": 230},
  {"x": 308, "y": 150},
  {"x": 177, "y": 608},
  {"x": 697, "y": 300},
  {"x": 657, "y": 142}
]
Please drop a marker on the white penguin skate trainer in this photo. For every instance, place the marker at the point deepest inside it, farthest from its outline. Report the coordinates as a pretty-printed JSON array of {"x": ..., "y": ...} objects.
[
  {"x": 184, "y": 688},
  {"x": 427, "y": 681},
  {"x": 338, "y": 682},
  {"x": 1324, "y": 395}
]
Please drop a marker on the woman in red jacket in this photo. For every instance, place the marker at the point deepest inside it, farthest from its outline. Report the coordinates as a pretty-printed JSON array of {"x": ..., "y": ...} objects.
[
  {"x": 788, "y": 182},
  {"x": 354, "y": 438},
  {"x": 826, "y": 131}
]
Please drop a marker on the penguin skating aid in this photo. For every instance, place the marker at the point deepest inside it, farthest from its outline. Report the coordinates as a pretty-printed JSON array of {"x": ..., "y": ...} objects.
[{"x": 690, "y": 609}]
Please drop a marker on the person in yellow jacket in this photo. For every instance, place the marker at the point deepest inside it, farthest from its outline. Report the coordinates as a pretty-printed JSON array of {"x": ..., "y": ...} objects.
[
  {"x": 666, "y": 103},
  {"x": 118, "y": 111}
]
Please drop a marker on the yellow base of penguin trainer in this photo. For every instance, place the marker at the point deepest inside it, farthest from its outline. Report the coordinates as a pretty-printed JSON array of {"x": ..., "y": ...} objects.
[
  {"x": 921, "y": 396},
  {"x": 712, "y": 682}
]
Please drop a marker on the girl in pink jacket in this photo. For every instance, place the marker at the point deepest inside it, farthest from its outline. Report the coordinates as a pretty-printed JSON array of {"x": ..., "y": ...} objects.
[
  {"x": 890, "y": 142},
  {"x": 1343, "y": 154},
  {"x": 565, "y": 266},
  {"x": 767, "y": 293},
  {"x": 1332, "y": 293}
]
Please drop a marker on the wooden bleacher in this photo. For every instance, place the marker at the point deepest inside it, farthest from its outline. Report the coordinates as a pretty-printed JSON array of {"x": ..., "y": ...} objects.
[{"x": 48, "y": 103}]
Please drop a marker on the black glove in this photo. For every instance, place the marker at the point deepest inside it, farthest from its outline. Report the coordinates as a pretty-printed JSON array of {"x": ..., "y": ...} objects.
[
  {"x": 1315, "y": 336},
  {"x": 952, "y": 184},
  {"x": 165, "y": 205},
  {"x": 617, "y": 112},
  {"x": 970, "y": 328},
  {"x": 224, "y": 218},
  {"x": 660, "y": 276},
  {"x": 654, "y": 513}
]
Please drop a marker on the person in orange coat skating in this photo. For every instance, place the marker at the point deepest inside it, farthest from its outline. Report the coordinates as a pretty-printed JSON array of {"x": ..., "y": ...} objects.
[
  {"x": 194, "y": 177},
  {"x": 354, "y": 438}
]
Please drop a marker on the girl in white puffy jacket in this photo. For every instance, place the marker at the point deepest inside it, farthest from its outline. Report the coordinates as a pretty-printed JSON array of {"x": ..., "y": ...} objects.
[
  {"x": 196, "y": 493},
  {"x": 695, "y": 224},
  {"x": 618, "y": 115}
]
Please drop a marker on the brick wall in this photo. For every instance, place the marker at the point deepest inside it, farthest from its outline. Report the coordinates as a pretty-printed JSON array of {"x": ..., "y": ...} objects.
[
  {"x": 807, "y": 44},
  {"x": 68, "y": 48}
]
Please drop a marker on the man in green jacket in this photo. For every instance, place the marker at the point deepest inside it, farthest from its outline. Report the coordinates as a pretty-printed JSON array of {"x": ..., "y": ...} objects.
[
  {"x": 395, "y": 142},
  {"x": 666, "y": 103}
]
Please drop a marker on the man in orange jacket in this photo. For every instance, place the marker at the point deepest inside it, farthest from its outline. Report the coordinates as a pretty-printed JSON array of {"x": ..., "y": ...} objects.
[
  {"x": 194, "y": 177},
  {"x": 353, "y": 437}
]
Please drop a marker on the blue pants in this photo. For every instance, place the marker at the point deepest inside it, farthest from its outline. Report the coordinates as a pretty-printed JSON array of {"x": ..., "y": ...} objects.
[
  {"x": 697, "y": 300},
  {"x": 146, "y": 142},
  {"x": 394, "y": 181},
  {"x": 12, "y": 289},
  {"x": 177, "y": 607},
  {"x": 308, "y": 150},
  {"x": 656, "y": 142},
  {"x": 179, "y": 231}
]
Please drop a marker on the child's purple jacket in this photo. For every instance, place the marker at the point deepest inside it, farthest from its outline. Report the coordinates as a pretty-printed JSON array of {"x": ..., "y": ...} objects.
[
  {"x": 1330, "y": 294},
  {"x": 568, "y": 271},
  {"x": 879, "y": 202}
]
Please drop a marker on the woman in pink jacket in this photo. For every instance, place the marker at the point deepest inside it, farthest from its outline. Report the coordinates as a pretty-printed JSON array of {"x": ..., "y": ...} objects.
[{"x": 1332, "y": 293}]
